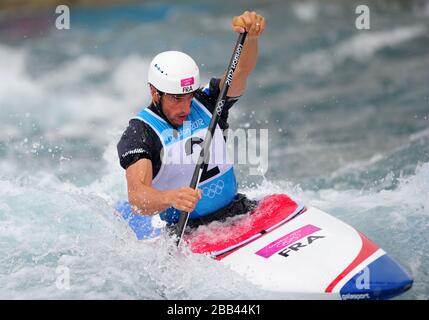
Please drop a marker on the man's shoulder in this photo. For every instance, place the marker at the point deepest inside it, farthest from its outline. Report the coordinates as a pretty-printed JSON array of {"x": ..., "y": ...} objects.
[
  {"x": 139, "y": 141},
  {"x": 211, "y": 90},
  {"x": 137, "y": 126},
  {"x": 208, "y": 95},
  {"x": 139, "y": 121},
  {"x": 138, "y": 130}
]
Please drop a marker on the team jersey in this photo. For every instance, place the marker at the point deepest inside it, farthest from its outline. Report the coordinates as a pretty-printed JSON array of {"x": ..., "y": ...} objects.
[
  {"x": 171, "y": 151},
  {"x": 140, "y": 141}
]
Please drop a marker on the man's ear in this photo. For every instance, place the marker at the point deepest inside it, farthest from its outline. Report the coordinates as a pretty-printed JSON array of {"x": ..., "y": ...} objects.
[{"x": 154, "y": 93}]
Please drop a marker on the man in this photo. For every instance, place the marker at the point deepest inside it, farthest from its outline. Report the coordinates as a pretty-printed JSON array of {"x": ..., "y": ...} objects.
[{"x": 158, "y": 147}]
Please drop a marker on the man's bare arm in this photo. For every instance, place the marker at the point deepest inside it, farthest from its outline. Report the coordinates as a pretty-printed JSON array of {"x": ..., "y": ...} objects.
[
  {"x": 254, "y": 24},
  {"x": 149, "y": 200}
]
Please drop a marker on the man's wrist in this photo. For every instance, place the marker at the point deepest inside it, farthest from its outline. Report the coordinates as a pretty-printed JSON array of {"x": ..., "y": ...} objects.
[
  {"x": 252, "y": 38},
  {"x": 166, "y": 199}
]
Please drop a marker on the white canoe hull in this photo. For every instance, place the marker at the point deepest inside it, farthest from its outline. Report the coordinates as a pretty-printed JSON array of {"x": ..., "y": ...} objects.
[{"x": 311, "y": 256}]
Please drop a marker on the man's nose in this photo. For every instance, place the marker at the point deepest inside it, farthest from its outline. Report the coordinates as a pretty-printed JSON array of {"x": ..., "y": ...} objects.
[{"x": 185, "y": 106}]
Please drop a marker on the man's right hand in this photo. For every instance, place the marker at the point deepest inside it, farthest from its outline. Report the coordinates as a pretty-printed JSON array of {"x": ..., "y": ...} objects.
[{"x": 184, "y": 199}]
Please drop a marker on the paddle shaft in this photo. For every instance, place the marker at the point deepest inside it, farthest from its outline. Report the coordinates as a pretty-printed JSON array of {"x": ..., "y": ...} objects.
[{"x": 203, "y": 158}]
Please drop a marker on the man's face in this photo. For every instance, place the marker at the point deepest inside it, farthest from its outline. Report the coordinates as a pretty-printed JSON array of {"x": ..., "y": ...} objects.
[{"x": 176, "y": 107}]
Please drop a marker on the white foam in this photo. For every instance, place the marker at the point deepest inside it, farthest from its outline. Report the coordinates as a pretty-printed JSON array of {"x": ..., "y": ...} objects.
[
  {"x": 65, "y": 102},
  {"x": 360, "y": 47},
  {"x": 73, "y": 72},
  {"x": 406, "y": 200},
  {"x": 46, "y": 229},
  {"x": 112, "y": 185},
  {"x": 364, "y": 45},
  {"x": 14, "y": 77},
  {"x": 420, "y": 135},
  {"x": 45, "y": 223}
]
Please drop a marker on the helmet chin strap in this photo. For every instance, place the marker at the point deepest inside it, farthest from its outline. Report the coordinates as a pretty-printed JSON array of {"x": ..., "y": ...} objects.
[{"x": 158, "y": 105}]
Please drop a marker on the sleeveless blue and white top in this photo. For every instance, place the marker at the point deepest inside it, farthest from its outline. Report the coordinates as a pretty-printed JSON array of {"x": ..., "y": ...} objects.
[{"x": 179, "y": 156}]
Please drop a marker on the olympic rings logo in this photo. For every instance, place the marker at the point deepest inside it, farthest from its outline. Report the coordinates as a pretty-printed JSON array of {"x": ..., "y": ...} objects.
[
  {"x": 214, "y": 189},
  {"x": 219, "y": 107}
]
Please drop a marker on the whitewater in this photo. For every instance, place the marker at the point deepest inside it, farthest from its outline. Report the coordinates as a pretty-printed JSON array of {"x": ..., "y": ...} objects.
[{"x": 347, "y": 114}]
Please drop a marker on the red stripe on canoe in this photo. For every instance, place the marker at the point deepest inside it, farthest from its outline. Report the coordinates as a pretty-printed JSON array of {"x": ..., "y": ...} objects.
[
  {"x": 368, "y": 248},
  {"x": 219, "y": 236}
]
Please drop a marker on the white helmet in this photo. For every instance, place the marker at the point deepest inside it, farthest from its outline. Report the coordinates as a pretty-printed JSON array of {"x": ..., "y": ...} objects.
[{"x": 174, "y": 72}]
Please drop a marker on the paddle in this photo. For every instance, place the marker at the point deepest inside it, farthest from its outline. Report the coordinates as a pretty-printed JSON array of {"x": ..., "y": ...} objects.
[{"x": 203, "y": 158}]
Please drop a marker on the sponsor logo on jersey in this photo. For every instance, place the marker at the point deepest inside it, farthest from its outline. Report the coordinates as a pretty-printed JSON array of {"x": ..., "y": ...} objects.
[{"x": 134, "y": 151}]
